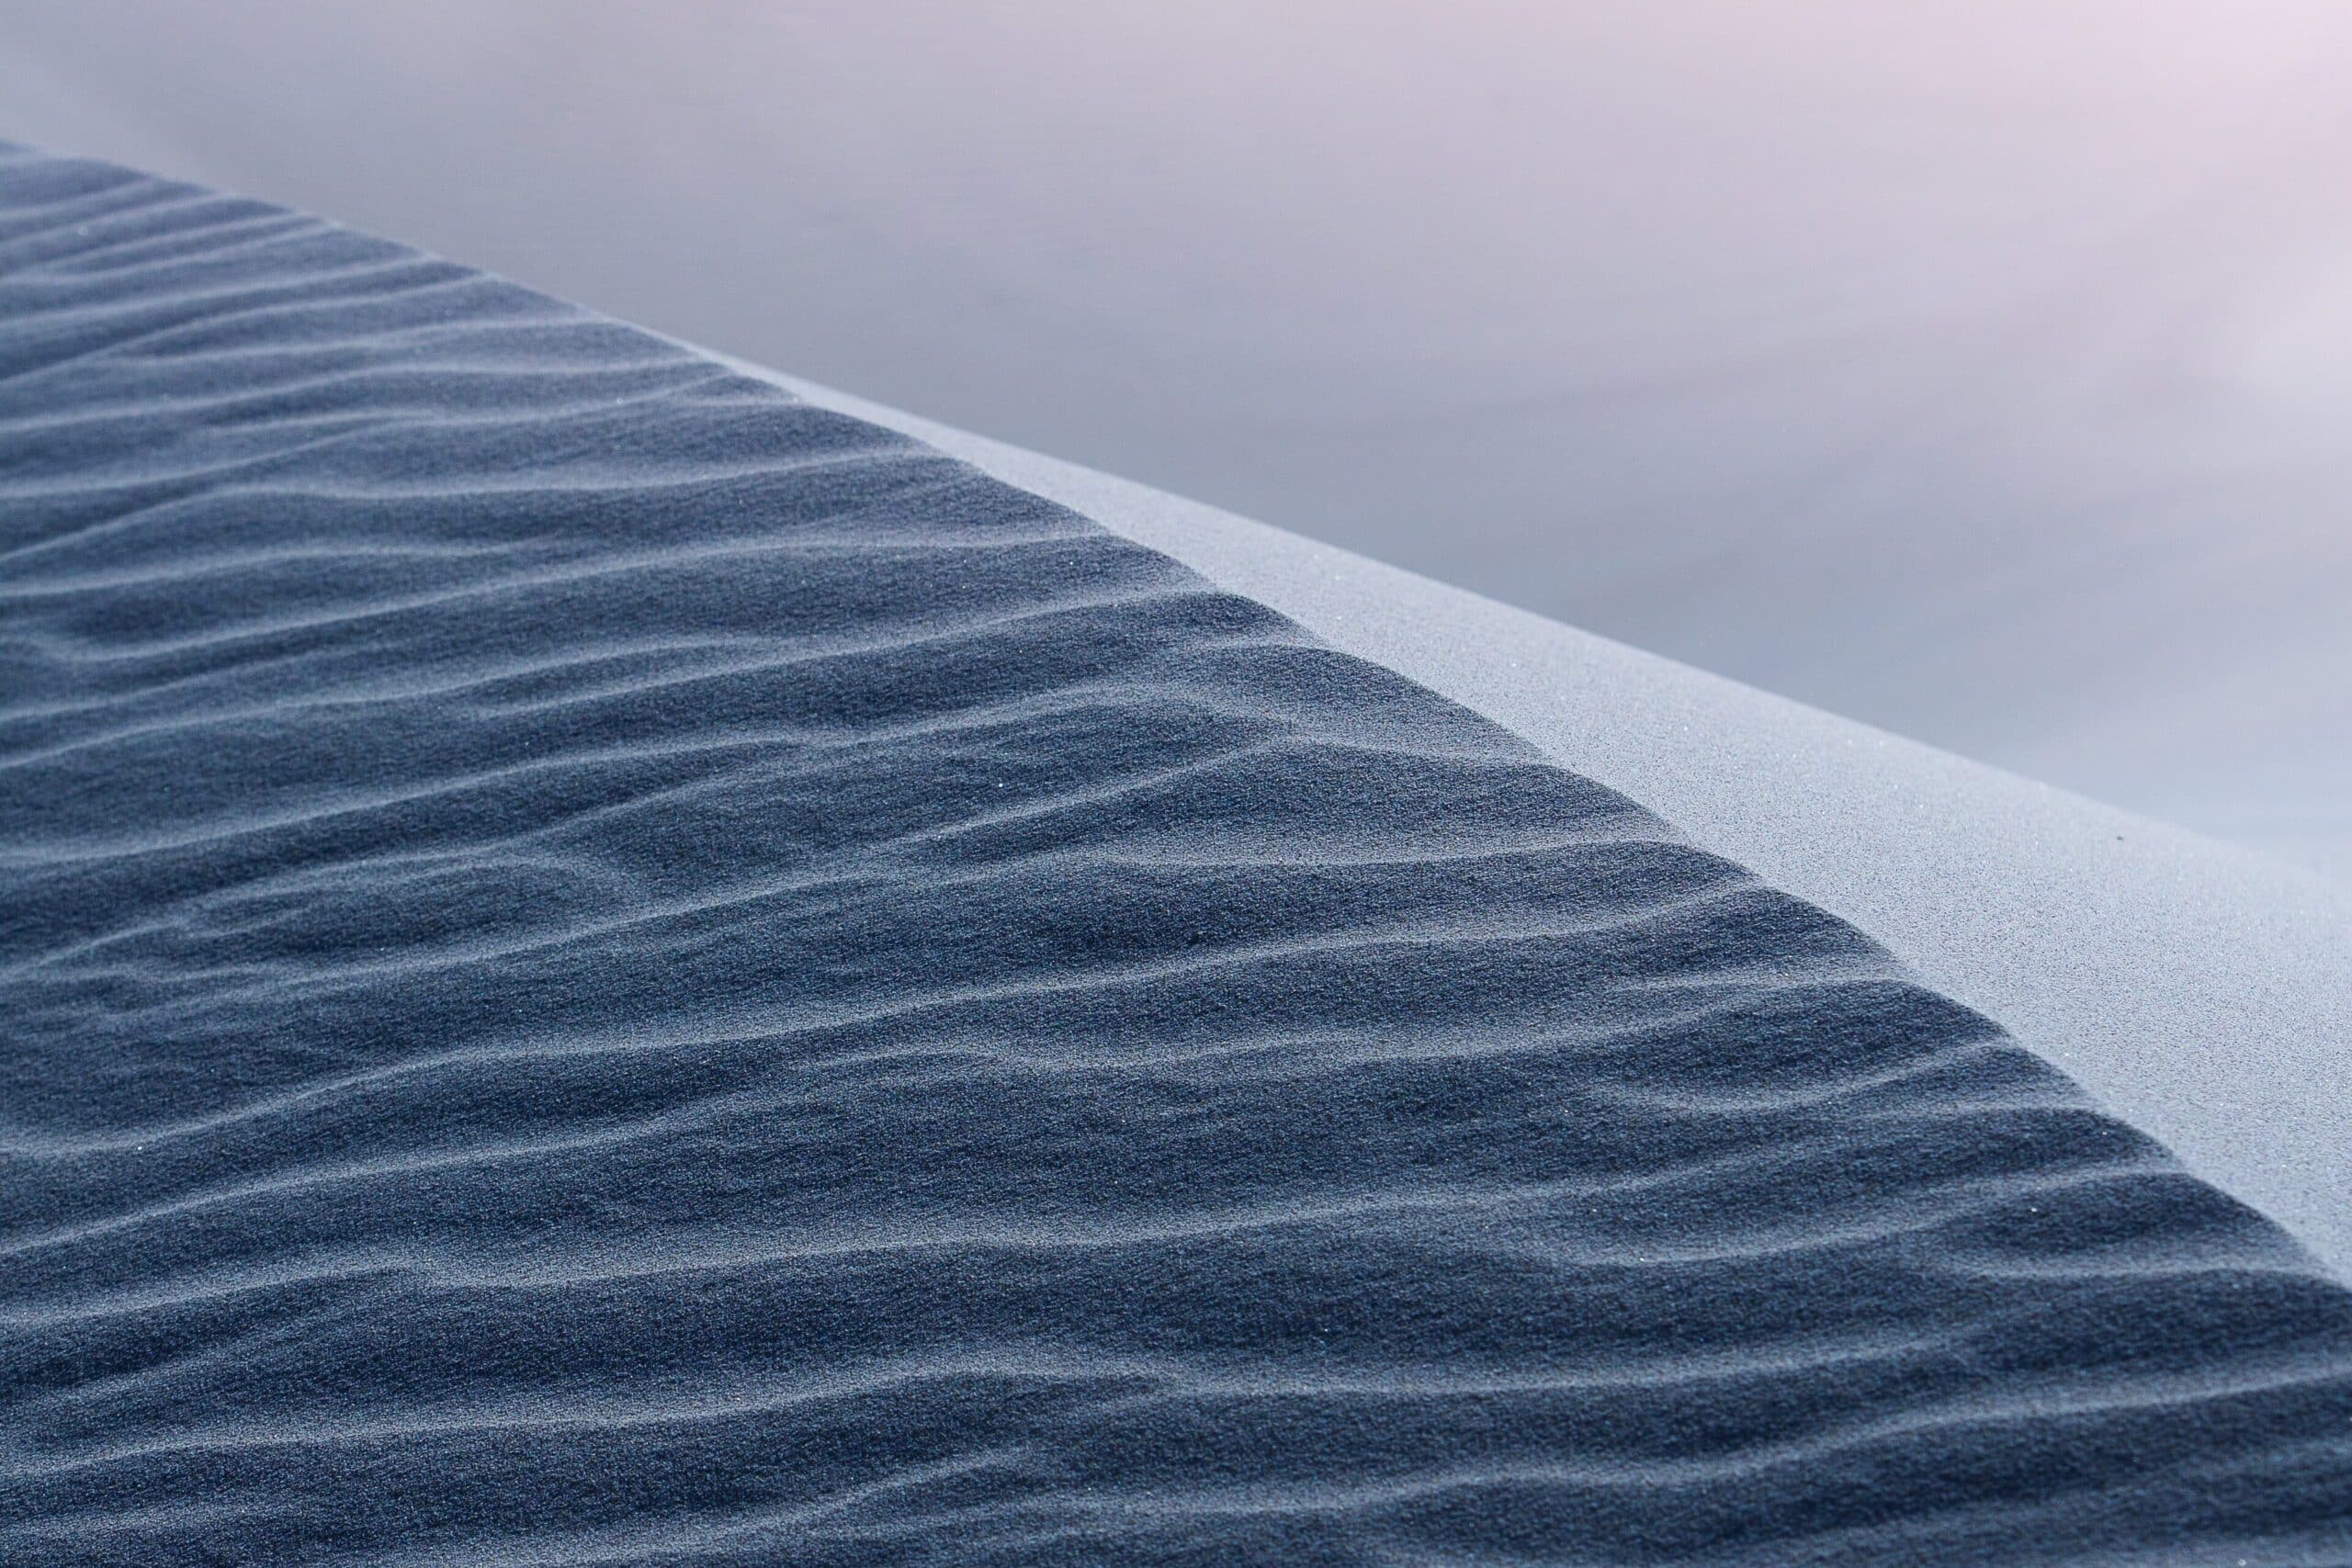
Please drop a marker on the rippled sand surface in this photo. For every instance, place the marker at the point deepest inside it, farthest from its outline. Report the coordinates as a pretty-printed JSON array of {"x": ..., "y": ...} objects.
[{"x": 600, "y": 965}]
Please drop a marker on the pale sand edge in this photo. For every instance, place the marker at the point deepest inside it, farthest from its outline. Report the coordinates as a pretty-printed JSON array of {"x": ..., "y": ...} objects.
[{"x": 2201, "y": 992}]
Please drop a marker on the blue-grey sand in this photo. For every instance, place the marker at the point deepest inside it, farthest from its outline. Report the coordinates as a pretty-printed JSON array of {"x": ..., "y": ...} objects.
[{"x": 604, "y": 964}]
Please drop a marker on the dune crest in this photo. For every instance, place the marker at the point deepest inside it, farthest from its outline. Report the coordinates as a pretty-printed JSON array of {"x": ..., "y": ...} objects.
[{"x": 607, "y": 965}]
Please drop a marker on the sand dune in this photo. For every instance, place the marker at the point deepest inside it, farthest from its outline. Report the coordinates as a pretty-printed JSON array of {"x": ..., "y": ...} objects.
[
  {"x": 609, "y": 965},
  {"x": 2196, "y": 988}
]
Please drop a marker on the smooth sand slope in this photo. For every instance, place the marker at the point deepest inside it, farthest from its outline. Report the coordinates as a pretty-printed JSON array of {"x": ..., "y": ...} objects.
[{"x": 604, "y": 964}]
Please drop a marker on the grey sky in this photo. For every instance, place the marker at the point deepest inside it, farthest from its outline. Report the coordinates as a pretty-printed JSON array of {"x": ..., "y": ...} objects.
[{"x": 1982, "y": 371}]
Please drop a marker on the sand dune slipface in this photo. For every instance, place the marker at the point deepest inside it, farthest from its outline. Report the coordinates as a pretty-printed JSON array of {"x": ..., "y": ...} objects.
[{"x": 602, "y": 966}]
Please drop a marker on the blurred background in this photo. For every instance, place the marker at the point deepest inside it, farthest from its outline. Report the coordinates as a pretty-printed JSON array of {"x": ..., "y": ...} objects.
[{"x": 1981, "y": 370}]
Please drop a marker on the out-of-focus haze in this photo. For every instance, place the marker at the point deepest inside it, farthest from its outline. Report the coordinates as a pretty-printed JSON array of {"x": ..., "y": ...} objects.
[{"x": 1980, "y": 369}]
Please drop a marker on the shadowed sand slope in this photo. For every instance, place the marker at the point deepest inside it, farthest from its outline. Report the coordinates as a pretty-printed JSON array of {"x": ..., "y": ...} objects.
[{"x": 602, "y": 966}]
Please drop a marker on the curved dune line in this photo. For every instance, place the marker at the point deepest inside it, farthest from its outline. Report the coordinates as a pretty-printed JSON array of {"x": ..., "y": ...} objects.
[{"x": 601, "y": 964}]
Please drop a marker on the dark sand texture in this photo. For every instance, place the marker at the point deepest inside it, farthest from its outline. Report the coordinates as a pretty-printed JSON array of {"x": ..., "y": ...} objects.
[
  {"x": 600, "y": 965},
  {"x": 2199, "y": 991}
]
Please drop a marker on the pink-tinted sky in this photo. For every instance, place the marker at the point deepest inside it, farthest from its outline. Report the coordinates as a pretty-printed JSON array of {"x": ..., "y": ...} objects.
[{"x": 1983, "y": 370}]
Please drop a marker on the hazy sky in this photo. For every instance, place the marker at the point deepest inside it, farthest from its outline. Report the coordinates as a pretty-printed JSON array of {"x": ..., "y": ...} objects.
[{"x": 1983, "y": 370}]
